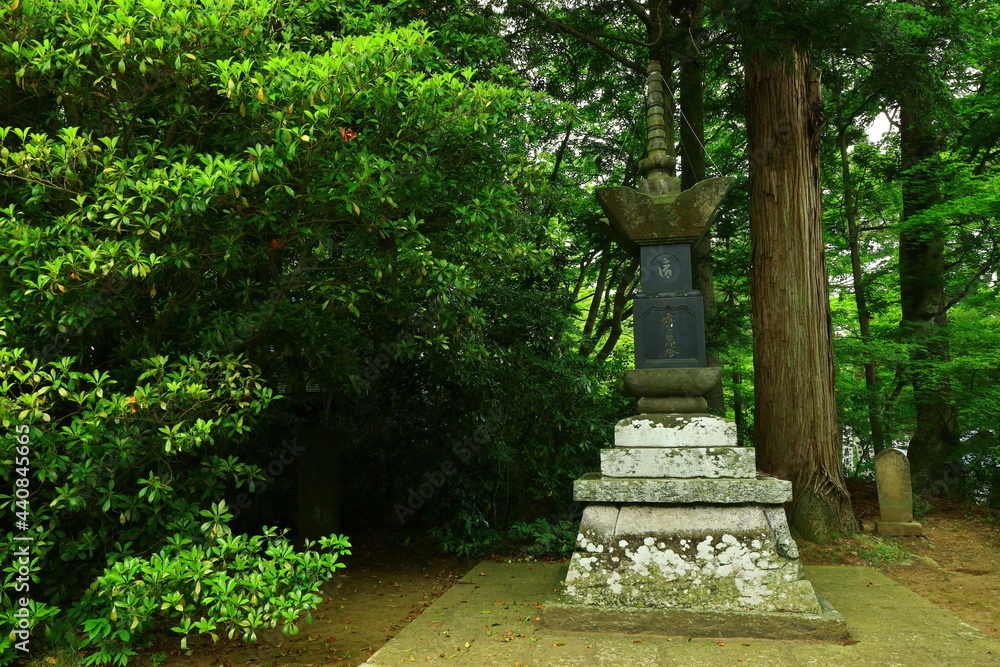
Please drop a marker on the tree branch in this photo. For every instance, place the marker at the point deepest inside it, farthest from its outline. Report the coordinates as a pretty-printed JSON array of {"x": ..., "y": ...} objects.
[
  {"x": 559, "y": 153},
  {"x": 861, "y": 107},
  {"x": 622, "y": 296},
  {"x": 987, "y": 268},
  {"x": 586, "y": 346},
  {"x": 584, "y": 265},
  {"x": 639, "y": 11},
  {"x": 582, "y": 36}
]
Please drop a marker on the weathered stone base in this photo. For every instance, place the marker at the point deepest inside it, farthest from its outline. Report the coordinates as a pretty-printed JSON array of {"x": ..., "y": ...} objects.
[
  {"x": 708, "y": 557},
  {"x": 646, "y": 382},
  {"x": 682, "y": 537},
  {"x": 557, "y": 614},
  {"x": 899, "y": 528}
]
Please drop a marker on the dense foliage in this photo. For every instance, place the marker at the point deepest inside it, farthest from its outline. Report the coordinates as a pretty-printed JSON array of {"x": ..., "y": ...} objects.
[
  {"x": 227, "y": 222},
  {"x": 204, "y": 202}
]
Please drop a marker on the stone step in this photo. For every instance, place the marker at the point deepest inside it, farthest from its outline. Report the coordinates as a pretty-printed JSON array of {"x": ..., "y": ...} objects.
[
  {"x": 595, "y": 487},
  {"x": 712, "y": 462},
  {"x": 675, "y": 430}
]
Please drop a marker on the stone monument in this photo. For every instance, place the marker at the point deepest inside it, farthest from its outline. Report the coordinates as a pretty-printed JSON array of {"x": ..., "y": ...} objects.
[
  {"x": 895, "y": 495},
  {"x": 680, "y": 536}
]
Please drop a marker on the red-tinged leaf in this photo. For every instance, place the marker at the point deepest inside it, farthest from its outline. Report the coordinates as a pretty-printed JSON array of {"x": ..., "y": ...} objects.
[{"x": 276, "y": 244}]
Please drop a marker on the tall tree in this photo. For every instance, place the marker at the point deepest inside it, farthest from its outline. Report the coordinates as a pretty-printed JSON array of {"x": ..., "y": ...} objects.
[
  {"x": 795, "y": 430},
  {"x": 930, "y": 48},
  {"x": 924, "y": 302},
  {"x": 852, "y": 104}
]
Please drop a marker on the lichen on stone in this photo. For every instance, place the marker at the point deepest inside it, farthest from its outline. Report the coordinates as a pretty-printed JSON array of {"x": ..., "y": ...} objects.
[{"x": 727, "y": 572}]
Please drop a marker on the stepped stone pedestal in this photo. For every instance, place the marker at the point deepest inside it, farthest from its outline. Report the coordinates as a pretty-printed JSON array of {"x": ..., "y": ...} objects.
[{"x": 681, "y": 536}]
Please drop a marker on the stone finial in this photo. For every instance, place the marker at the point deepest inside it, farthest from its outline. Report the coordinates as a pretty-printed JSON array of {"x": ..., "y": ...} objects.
[{"x": 658, "y": 166}]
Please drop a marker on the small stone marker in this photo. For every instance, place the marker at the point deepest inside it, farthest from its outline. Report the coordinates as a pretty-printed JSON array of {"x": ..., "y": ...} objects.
[{"x": 895, "y": 497}]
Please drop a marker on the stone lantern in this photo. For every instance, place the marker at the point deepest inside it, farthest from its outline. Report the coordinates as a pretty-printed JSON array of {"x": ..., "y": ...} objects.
[{"x": 680, "y": 535}]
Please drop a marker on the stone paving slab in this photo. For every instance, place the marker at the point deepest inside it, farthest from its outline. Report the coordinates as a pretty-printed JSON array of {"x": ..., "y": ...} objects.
[{"x": 488, "y": 618}]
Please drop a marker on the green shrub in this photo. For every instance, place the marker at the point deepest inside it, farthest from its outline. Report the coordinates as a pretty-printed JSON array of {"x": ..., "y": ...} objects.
[
  {"x": 231, "y": 586},
  {"x": 546, "y": 537}
]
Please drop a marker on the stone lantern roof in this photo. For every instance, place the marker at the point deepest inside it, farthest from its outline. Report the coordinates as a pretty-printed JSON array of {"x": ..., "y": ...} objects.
[{"x": 658, "y": 212}]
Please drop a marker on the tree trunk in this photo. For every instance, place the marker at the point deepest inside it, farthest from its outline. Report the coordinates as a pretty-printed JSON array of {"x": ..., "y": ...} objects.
[
  {"x": 864, "y": 316},
  {"x": 691, "y": 94},
  {"x": 924, "y": 317},
  {"x": 587, "y": 343},
  {"x": 795, "y": 418},
  {"x": 738, "y": 414}
]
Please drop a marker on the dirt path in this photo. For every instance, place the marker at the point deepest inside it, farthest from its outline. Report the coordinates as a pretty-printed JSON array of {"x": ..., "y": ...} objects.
[
  {"x": 382, "y": 589},
  {"x": 955, "y": 565},
  {"x": 962, "y": 570}
]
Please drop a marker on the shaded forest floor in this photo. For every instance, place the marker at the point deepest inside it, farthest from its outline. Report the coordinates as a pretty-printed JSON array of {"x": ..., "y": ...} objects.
[{"x": 956, "y": 565}]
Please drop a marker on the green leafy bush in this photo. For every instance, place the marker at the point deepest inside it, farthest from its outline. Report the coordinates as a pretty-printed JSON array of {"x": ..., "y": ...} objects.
[
  {"x": 546, "y": 537},
  {"x": 537, "y": 538},
  {"x": 231, "y": 585},
  {"x": 203, "y": 200}
]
